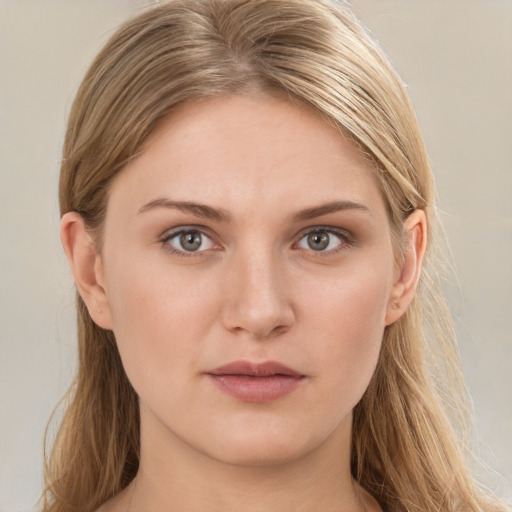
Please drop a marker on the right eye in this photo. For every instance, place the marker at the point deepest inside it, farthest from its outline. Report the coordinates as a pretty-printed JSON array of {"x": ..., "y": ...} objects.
[{"x": 188, "y": 241}]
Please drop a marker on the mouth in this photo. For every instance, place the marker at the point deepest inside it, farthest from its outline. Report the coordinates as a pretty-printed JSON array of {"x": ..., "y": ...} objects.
[{"x": 256, "y": 382}]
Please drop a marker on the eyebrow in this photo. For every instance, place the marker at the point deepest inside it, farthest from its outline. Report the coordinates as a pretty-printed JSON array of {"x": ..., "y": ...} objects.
[
  {"x": 331, "y": 207},
  {"x": 197, "y": 209},
  {"x": 223, "y": 215}
]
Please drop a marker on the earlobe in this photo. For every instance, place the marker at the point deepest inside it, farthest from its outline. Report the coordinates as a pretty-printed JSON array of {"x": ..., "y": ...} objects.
[
  {"x": 86, "y": 266},
  {"x": 415, "y": 233}
]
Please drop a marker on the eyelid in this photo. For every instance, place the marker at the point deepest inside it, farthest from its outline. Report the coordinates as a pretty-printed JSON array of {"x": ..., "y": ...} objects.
[
  {"x": 185, "y": 227},
  {"x": 346, "y": 237},
  {"x": 169, "y": 234}
]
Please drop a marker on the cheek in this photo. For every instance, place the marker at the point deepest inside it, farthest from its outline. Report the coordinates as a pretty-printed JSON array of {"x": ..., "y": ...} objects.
[
  {"x": 159, "y": 317},
  {"x": 347, "y": 318}
]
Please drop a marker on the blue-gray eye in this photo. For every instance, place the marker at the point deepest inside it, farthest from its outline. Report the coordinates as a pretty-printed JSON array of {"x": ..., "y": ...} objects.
[
  {"x": 191, "y": 241},
  {"x": 320, "y": 240}
]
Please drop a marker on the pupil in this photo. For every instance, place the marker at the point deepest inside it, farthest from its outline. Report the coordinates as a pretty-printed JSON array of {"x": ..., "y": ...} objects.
[
  {"x": 190, "y": 241},
  {"x": 318, "y": 241}
]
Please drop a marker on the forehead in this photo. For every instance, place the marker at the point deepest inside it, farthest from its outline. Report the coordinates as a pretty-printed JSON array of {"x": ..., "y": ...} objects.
[{"x": 248, "y": 152}]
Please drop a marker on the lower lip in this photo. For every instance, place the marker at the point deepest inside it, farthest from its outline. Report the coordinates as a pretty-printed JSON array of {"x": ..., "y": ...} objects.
[{"x": 256, "y": 389}]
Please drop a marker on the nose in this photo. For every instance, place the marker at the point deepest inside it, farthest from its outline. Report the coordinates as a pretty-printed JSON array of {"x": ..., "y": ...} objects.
[{"x": 258, "y": 301}]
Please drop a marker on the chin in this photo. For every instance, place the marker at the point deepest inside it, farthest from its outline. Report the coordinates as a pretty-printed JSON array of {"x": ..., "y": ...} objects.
[
  {"x": 269, "y": 447},
  {"x": 269, "y": 455}
]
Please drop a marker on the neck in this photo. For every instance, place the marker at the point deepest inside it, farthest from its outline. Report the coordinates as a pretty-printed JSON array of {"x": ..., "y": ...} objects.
[{"x": 176, "y": 476}]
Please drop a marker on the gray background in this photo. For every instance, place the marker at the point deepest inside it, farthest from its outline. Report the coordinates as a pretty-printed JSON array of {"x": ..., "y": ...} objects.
[{"x": 456, "y": 56}]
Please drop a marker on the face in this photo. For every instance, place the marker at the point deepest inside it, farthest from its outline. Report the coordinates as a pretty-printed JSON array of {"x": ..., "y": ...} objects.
[{"x": 248, "y": 267}]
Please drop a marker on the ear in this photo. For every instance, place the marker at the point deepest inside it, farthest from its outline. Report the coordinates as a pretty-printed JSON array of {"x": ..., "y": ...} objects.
[
  {"x": 402, "y": 292},
  {"x": 86, "y": 266}
]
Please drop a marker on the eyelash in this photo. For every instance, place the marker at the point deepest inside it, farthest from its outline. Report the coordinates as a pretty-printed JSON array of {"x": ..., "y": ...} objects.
[
  {"x": 164, "y": 240},
  {"x": 345, "y": 237}
]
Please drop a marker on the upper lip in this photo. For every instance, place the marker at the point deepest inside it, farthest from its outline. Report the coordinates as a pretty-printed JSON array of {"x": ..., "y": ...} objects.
[{"x": 264, "y": 369}]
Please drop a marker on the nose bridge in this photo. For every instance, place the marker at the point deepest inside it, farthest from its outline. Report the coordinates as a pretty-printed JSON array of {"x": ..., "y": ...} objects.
[{"x": 258, "y": 303}]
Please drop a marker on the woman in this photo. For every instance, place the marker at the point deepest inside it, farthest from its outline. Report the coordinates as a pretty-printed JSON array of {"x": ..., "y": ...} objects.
[{"x": 248, "y": 213}]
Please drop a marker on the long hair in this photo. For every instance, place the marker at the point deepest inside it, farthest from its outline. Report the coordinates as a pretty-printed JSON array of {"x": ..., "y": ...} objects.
[{"x": 405, "y": 451}]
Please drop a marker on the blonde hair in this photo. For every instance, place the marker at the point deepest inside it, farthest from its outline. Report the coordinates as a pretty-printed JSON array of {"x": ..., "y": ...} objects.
[{"x": 404, "y": 451}]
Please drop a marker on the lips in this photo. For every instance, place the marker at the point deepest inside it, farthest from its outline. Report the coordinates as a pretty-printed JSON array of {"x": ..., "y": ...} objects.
[{"x": 256, "y": 382}]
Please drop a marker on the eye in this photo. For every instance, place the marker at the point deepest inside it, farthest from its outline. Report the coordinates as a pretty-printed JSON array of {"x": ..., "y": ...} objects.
[
  {"x": 188, "y": 241},
  {"x": 323, "y": 240}
]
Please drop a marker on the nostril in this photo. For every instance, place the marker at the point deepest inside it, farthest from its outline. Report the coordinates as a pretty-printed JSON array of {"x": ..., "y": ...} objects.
[
  {"x": 258, "y": 323},
  {"x": 257, "y": 300},
  {"x": 275, "y": 331}
]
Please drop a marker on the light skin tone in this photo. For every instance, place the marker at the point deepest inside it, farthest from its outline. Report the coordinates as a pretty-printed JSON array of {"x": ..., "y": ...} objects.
[{"x": 247, "y": 230}]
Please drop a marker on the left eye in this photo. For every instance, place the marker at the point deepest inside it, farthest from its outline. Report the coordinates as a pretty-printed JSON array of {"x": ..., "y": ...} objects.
[
  {"x": 321, "y": 240},
  {"x": 190, "y": 240}
]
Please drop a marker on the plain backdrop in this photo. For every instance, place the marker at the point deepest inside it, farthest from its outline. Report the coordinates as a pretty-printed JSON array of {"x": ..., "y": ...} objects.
[{"x": 456, "y": 57}]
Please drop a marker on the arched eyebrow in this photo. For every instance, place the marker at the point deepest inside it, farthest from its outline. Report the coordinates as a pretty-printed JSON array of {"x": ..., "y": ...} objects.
[
  {"x": 197, "y": 209},
  {"x": 331, "y": 207},
  {"x": 223, "y": 215}
]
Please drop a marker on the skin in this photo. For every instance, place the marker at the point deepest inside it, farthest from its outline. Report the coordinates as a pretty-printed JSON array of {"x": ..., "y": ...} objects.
[{"x": 255, "y": 290}]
